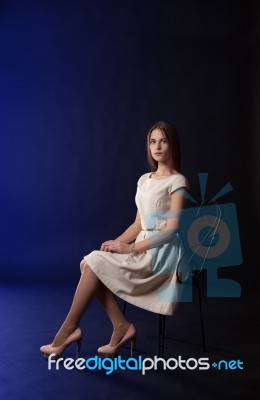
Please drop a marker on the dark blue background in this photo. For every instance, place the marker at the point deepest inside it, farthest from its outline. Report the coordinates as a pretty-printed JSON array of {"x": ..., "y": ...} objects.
[{"x": 81, "y": 83}]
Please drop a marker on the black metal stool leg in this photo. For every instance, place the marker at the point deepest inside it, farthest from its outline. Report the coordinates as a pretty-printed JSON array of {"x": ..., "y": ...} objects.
[
  {"x": 124, "y": 307},
  {"x": 161, "y": 334},
  {"x": 203, "y": 348},
  {"x": 162, "y": 320}
]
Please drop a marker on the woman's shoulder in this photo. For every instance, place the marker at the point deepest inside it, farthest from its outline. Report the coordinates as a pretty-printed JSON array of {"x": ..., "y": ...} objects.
[
  {"x": 179, "y": 176},
  {"x": 178, "y": 180},
  {"x": 143, "y": 178}
]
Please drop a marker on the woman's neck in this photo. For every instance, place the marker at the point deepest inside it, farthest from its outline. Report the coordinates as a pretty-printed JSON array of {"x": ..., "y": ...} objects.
[{"x": 163, "y": 170}]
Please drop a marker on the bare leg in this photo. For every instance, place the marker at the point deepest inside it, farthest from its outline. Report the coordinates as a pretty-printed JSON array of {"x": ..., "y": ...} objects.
[
  {"x": 85, "y": 292},
  {"x": 88, "y": 287},
  {"x": 108, "y": 301},
  {"x": 120, "y": 324}
]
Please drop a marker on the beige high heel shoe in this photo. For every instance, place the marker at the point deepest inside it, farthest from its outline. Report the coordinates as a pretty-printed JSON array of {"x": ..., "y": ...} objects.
[
  {"x": 111, "y": 351},
  {"x": 76, "y": 336}
]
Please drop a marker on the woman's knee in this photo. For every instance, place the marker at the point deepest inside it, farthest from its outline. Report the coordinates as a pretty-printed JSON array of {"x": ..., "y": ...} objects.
[{"x": 83, "y": 265}]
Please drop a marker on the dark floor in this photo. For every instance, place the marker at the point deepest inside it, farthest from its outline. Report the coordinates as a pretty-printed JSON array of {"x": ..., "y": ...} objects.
[{"x": 30, "y": 315}]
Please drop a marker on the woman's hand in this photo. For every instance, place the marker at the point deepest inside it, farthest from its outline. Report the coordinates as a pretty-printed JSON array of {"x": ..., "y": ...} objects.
[
  {"x": 115, "y": 246},
  {"x": 105, "y": 245}
]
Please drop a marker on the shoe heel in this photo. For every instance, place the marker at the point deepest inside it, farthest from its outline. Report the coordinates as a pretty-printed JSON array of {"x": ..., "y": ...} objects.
[
  {"x": 78, "y": 347},
  {"x": 132, "y": 346}
]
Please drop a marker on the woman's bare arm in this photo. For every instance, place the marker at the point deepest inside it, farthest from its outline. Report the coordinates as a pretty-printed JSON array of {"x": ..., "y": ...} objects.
[
  {"x": 127, "y": 236},
  {"x": 178, "y": 201},
  {"x": 132, "y": 231}
]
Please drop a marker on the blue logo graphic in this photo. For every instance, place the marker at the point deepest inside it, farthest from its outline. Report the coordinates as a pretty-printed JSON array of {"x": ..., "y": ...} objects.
[
  {"x": 209, "y": 239},
  {"x": 210, "y": 236}
]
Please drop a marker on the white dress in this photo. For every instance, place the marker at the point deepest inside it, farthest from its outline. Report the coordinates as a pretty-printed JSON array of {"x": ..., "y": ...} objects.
[{"x": 147, "y": 280}]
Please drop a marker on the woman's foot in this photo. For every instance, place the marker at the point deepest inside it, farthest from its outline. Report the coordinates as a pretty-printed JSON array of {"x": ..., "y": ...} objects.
[
  {"x": 118, "y": 333},
  {"x": 111, "y": 349},
  {"x": 62, "y": 335},
  {"x": 74, "y": 337}
]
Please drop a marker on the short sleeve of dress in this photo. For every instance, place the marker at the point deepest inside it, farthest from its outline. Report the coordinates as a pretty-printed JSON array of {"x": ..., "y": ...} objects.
[
  {"x": 142, "y": 179},
  {"x": 178, "y": 182}
]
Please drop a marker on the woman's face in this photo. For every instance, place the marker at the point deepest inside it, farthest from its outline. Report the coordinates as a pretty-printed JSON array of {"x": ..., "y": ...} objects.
[{"x": 159, "y": 146}]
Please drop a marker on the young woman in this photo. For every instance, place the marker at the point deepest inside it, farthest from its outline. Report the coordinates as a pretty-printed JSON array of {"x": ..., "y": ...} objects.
[{"x": 140, "y": 265}]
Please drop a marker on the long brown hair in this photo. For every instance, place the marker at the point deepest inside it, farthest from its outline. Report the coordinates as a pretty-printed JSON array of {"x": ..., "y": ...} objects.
[{"x": 172, "y": 137}]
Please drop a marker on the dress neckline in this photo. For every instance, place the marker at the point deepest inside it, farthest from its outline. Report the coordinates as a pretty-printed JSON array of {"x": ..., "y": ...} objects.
[{"x": 152, "y": 179}]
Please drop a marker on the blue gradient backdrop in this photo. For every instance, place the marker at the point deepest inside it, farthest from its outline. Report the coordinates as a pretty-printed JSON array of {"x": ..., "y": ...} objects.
[{"x": 81, "y": 83}]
